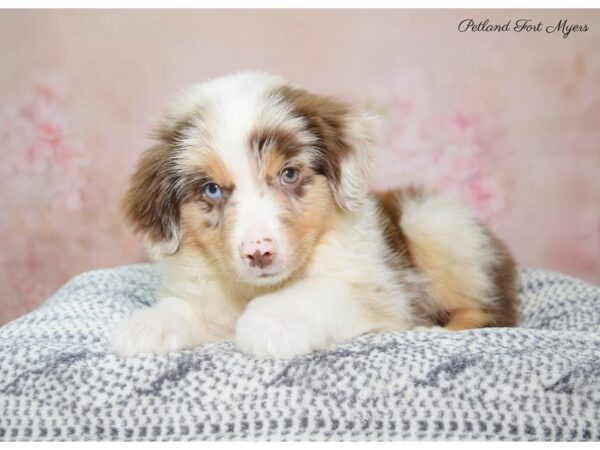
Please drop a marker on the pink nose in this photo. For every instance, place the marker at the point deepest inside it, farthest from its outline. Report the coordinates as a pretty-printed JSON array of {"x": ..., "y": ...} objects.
[{"x": 258, "y": 253}]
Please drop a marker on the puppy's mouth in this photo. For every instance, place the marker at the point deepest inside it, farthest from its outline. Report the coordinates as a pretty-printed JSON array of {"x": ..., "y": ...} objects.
[
  {"x": 268, "y": 275},
  {"x": 265, "y": 276}
]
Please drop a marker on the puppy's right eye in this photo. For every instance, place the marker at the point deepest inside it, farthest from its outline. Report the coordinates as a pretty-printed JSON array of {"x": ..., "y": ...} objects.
[{"x": 212, "y": 192}]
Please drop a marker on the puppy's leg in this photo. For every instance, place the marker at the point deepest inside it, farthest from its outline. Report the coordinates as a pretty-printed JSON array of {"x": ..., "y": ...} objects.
[
  {"x": 472, "y": 277},
  {"x": 172, "y": 324},
  {"x": 307, "y": 316}
]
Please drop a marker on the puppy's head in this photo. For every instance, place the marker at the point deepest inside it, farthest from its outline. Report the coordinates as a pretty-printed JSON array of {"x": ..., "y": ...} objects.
[{"x": 249, "y": 172}]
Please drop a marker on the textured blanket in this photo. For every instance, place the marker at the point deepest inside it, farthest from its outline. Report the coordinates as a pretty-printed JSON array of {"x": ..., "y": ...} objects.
[{"x": 540, "y": 381}]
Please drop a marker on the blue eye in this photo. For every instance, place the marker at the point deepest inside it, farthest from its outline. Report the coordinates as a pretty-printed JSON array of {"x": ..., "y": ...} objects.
[
  {"x": 213, "y": 191},
  {"x": 289, "y": 175}
]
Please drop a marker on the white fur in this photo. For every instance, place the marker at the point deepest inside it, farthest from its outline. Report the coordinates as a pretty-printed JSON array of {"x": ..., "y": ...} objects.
[
  {"x": 169, "y": 326},
  {"x": 306, "y": 316}
]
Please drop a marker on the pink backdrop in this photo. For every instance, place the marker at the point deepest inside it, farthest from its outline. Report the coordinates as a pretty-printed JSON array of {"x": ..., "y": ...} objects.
[{"x": 511, "y": 121}]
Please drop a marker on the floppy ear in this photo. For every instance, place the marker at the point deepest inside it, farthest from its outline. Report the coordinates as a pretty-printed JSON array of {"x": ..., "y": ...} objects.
[
  {"x": 152, "y": 202},
  {"x": 347, "y": 142}
]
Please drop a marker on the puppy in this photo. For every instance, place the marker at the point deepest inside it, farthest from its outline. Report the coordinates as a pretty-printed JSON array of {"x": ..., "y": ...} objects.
[{"x": 255, "y": 207}]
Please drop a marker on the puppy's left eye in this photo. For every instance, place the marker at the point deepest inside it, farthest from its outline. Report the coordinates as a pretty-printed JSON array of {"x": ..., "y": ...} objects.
[{"x": 289, "y": 175}]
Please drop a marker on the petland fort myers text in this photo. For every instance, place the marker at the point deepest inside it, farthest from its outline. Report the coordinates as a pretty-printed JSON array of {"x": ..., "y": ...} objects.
[{"x": 563, "y": 27}]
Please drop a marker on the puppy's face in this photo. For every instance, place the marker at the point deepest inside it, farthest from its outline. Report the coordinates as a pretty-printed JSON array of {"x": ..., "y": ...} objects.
[{"x": 249, "y": 172}]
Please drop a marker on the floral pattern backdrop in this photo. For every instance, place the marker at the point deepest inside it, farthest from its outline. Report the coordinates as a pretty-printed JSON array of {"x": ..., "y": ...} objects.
[{"x": 509, "y": 121}]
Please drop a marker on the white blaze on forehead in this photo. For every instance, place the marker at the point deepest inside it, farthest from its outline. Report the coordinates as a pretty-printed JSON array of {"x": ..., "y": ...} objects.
[
  {"x": 226, "y": 111},
  {"x": 223, "y": 112}
]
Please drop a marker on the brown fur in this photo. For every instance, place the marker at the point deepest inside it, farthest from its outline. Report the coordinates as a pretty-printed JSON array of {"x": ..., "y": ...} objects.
[
  {"x": 216, "y": 171},
  {"x": 211, "y": 241},
  {"x": 468, "y": 317},
  {"x": 326, "y": 119},
  {"x": 449, "y": 289},
  {"x": 504, "y": 312},
  {"x": 306, "y": 223},
  {"x": 151, "y": 203},
  {"x": 271, "y": 167},
  {"x": 285, "y": 142},
  {"x": 172, "y": 130},
  {"x": 390, "y": 215}
]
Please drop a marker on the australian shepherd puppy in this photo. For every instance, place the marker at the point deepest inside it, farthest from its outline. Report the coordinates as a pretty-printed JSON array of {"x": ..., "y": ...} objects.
[{"x": 255, "y": 206}]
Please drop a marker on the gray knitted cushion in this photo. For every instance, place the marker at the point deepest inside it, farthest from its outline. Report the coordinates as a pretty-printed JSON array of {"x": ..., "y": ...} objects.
[{"x": 539, "y": 381}]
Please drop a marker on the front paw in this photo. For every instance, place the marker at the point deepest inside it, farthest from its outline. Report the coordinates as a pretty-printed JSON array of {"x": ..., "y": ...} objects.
[
  {"x": 267, "y": 333},
  {"x": 151, "y": 330}
]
